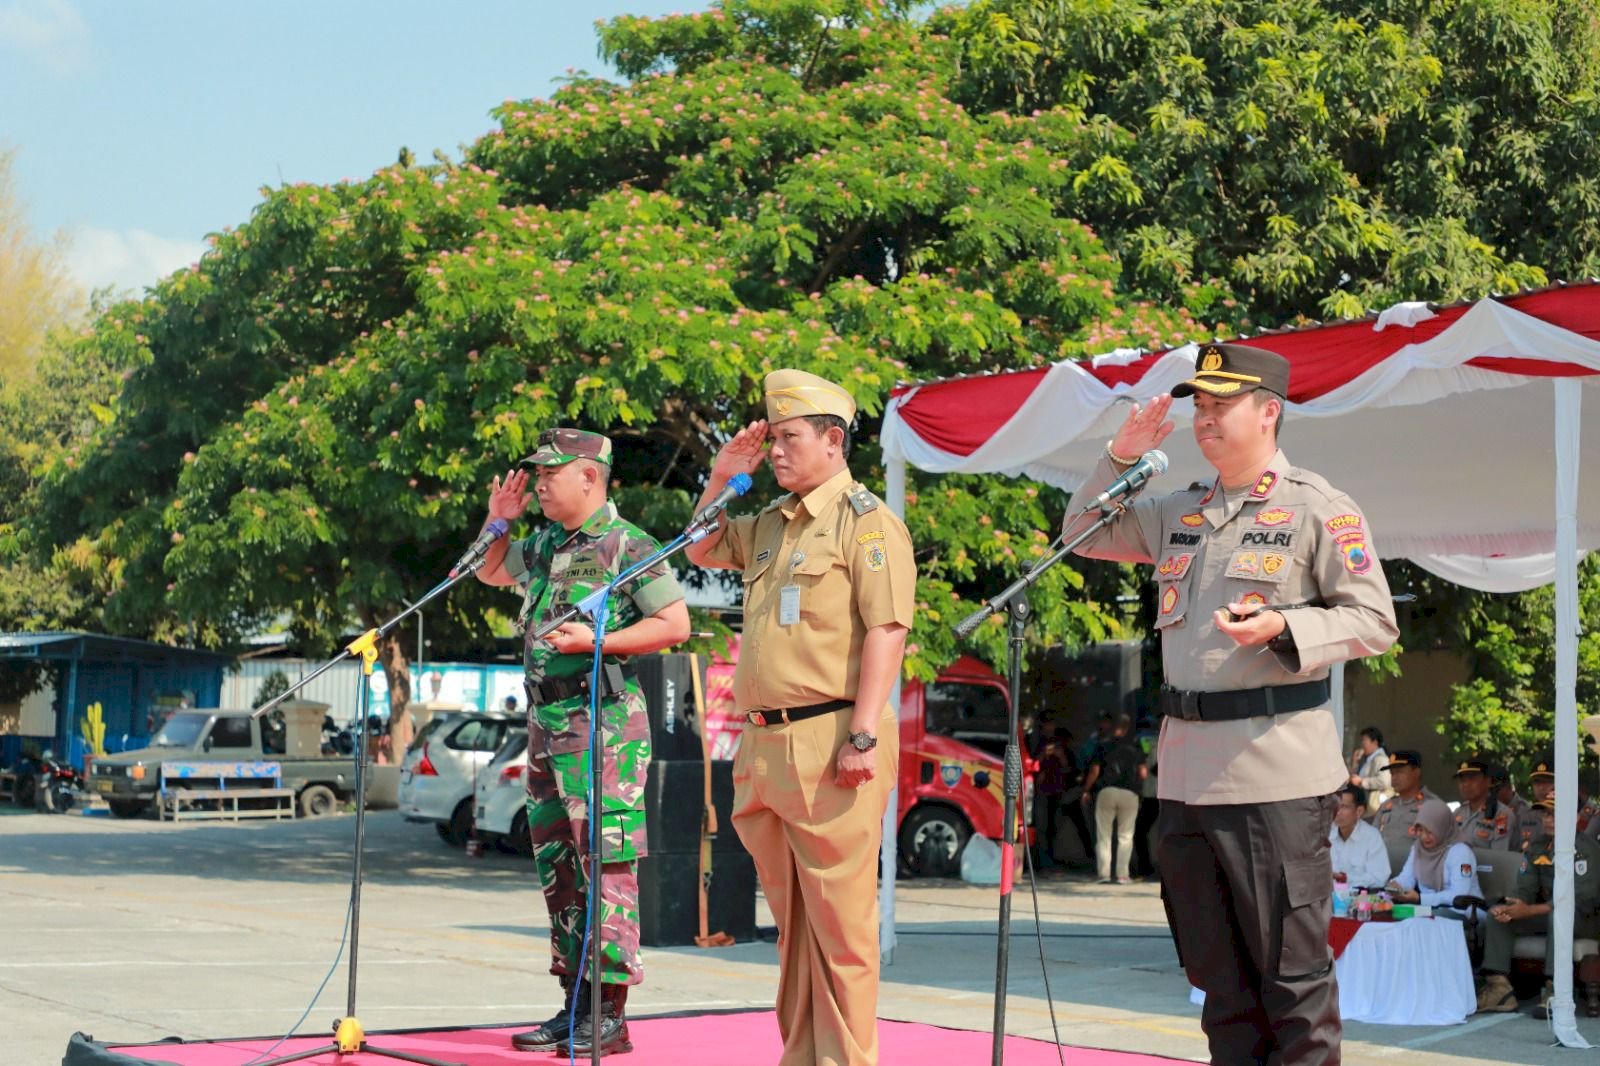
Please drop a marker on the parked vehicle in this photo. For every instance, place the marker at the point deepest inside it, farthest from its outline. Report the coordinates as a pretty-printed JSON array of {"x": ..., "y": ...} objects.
[
  {"x": 440, "y": 772},
  {"x": 952, "y": 781},
  {"x": 130, "y": 780},
  {"x": 55, "y": 785},
  {"x": 501, "y": 809}
]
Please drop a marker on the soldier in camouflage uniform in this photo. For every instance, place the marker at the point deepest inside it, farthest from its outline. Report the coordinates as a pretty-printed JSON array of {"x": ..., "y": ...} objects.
[{"x": 585, "y": 545}]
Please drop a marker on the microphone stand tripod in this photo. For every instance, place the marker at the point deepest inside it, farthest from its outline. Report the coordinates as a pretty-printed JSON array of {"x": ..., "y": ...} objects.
[
  {"x": 1013, "y": 601},
  {"x": 349, "y": 1038},
  {"x": 595, "y": 606}
]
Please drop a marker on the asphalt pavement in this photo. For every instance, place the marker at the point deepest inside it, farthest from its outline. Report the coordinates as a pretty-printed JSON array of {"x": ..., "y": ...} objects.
[{"x": 137, "y": 930}]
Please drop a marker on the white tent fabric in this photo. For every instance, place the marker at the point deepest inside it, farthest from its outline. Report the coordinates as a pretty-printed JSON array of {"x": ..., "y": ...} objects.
[{"x": 1461, "y": 462}]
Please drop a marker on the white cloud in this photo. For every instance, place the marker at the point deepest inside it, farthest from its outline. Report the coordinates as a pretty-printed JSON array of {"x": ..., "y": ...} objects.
[
  {"x": 50, "y": 31},
  {"x": 126, "y": 259}
]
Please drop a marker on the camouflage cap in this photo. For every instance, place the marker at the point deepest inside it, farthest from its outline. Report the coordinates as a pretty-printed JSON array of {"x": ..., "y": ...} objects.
[
  {"x": 797, "y": 394},
  {"x": 1232, "y": 369},
  {"x": 562, "y": 445}
]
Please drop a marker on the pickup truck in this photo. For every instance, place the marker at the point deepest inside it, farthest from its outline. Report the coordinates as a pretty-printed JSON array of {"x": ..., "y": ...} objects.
[{"x": 130, "y": 780}]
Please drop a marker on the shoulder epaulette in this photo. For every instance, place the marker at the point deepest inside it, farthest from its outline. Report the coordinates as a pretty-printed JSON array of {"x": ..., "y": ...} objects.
[
  {"x": 862, "y": 501},
  {"x": 1198, "y": 486}
]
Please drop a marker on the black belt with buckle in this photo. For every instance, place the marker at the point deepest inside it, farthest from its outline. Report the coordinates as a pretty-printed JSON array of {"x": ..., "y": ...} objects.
[
  {"x": 796, "y": 714},
  {"x": 1234, "y": 704},
  {"x": 613, "y": 677}
]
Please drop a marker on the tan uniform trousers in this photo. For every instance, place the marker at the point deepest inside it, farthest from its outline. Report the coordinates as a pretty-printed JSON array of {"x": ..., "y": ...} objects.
[{"x": 815, "y": 847}]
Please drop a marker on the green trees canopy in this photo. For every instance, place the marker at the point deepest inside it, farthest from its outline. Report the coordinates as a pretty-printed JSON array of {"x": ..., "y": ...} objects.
[{"x": 311, "y": 415}]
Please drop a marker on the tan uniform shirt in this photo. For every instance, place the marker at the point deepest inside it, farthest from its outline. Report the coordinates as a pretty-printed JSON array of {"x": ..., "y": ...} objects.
[
  {"x": 1491, "y": 826},
  {"x": 1396, "y": 816},
  {"x": 1292, "y": 539},
  {"x": 847, "y": 559}
]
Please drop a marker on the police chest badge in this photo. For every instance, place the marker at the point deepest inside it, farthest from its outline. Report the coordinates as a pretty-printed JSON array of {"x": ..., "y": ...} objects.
[{"x": 950, "y": 774}]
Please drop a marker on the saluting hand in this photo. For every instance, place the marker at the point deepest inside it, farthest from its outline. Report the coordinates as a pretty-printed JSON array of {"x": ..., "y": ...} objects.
[
  {"x": 855, "y": 768},
  {"x": 1144, "y": 428},
  {"x": 509, "y": 499},
  {"x": 742, "y": 454}
]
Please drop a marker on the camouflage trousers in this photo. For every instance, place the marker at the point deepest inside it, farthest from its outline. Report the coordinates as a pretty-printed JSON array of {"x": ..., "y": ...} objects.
[{"x": 558, "y": 820}]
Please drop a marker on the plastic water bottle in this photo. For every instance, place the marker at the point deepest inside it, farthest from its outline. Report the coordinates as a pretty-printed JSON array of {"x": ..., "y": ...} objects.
[
  {"x": 1341, "y": 899},
  {"x": 1363, "y": 907}
]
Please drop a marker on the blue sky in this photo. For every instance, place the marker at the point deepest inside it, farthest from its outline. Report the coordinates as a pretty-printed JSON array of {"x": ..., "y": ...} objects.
[{"x": 142, "y": 125}]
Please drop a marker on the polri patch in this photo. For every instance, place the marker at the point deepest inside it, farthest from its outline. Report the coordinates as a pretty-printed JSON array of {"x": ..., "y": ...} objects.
[
  {"x": 1252, "y": 599},
  {"x": 1277, "y": 516},
  {"x": 1193, "y": 520},
  {"x": 1169, "y": 599},
  {"x": 1272, "y": 562},
  {"x": 1341, "y": 522},
  {"x": 1357, "y": 559},
  {"x": 1243, "y": 564}
]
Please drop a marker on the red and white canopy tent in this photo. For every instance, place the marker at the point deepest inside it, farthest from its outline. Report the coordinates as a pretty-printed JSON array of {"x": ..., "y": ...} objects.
[{"x": 1457, "y": 430}]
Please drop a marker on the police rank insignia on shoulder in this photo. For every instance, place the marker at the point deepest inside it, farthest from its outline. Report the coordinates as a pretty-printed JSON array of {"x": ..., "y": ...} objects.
[{"x": 863, "y": 501}]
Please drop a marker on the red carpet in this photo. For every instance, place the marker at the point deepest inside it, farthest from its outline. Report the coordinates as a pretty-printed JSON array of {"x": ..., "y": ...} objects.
[{"x": 743, "y": 1038}]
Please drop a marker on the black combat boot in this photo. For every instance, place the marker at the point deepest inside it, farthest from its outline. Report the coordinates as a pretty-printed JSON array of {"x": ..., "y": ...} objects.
[
  {"x": 547, "y": 1034},
  {"x": 613, "y": 1025}
]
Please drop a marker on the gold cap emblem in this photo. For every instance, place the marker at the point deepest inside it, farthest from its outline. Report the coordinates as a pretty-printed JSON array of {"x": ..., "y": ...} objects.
[{"x": 1212, "y": 360}]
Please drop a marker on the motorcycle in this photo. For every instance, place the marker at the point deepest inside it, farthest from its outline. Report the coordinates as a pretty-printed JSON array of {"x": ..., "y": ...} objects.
[{"x": 56, "y": 786}]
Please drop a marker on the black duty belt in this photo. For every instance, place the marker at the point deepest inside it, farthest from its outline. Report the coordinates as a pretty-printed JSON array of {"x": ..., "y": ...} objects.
[
  {"x": 613, "y": 677},
  {"x": 796, "y": 714},
  {"x": 1234, "y": 704}
]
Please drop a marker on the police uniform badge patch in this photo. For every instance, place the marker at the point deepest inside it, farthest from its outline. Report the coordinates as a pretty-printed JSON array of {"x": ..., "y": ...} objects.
[
  {"x": 1175, "y": 565},
  {"x": 1340, "y": 523},
  {"x": 1277, "y": 516},
  {"x": 875, "y": 557},
  {"x": 1272, "y": 562},
  {"x": 1580, "y": 867},
  {"x": 1169, "y": 599},
  {"x": 1193, "y": 520},
  {"x": 1264, "y": 485},
  {"x": 1252, "y": 599}
]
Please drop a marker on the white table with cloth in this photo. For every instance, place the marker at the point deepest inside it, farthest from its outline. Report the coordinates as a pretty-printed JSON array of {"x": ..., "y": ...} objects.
[{"x": 1411, "y": 972}]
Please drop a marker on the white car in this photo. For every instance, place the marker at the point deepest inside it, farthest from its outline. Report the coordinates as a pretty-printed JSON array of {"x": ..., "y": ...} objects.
[
  {"x": 502, "y": 805},
  {"x": 440, "y": 772}
]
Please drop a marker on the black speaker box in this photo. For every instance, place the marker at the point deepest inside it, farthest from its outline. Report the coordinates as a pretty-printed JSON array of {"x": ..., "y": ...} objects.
[
  {"x": 668, "y": 685},
  {"x": 669, "y": 900},
  {"x": 674, "y": 797}
]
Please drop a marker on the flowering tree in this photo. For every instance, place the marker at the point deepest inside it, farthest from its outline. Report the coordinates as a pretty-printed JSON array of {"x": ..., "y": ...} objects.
[{"x": 311, "y": 414}]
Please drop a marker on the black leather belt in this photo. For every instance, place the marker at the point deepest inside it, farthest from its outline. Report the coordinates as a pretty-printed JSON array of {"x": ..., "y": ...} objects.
[
  {"x": 555, "y": 689},
  {"x": 1234, "y": 704},
  {"x": 796, "y": 714}
]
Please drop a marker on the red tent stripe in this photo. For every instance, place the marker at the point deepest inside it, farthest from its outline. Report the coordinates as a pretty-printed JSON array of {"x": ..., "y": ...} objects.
[{"x": 958, "y": 416}]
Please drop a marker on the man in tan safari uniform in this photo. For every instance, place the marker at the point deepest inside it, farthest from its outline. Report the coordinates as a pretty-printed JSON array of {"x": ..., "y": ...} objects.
[
  {"x": 1265, "y": 576},
  {"x": 829, "y": 590}
]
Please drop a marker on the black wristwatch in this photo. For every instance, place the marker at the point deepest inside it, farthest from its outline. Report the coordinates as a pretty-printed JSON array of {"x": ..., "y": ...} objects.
[{"x": 863, "y": 741}]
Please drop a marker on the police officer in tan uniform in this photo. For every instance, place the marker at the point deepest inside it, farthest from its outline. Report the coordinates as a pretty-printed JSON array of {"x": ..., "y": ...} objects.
[
  {"x": 1397, "y": 814},
  {"x": 1265, "y": 577},
  {"x": 1481, "y": 822},
  {"x": 829, "y": 592}
]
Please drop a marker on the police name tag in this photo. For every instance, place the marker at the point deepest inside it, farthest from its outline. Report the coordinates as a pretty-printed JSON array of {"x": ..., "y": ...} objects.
[{"x": 789, "y": 605}]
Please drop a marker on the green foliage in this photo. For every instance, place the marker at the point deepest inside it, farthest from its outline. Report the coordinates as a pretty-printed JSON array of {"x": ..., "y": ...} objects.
[
  {"x": 308, "y": 419},
  {"x": 272, "y": 686},
  {"x": 1508, "y": 706}
]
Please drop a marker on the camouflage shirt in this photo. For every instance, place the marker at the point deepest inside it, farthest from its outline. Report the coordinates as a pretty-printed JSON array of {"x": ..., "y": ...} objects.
[{"x": 560, "y": 568}]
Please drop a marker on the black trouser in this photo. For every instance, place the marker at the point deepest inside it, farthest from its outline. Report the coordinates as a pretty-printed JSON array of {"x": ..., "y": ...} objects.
[
  {"x": 1144, "y": 860},
  {"x": 1249, "y": 888},
  {"x": 1046, "y": 821}
]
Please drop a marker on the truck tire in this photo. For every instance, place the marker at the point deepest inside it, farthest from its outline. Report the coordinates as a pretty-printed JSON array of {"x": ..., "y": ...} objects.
[
  {"x": 459, "y": 827},
  {"x": 317, "y": 801},
  {"x": 931, "y": 839},
  {"x": 126, "y": 808}
]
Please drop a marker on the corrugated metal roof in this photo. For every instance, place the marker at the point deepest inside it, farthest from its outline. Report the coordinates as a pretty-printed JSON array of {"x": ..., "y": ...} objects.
[{"x": 100, "y": 648}]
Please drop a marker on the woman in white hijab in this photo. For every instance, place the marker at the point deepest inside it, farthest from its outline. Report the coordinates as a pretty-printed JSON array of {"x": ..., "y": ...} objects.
[{"x": 1436, "y": 871}]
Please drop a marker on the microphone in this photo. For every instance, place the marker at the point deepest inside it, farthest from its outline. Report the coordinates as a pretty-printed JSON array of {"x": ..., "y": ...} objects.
[
  {"x": 492, "y": 532},
  {"x": 737, "y": 485},
  {"x": 1132, "y": 480}
]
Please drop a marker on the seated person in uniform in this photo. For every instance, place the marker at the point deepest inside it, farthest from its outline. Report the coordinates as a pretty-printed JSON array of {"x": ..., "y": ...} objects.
[
  {"x": 1528, "y": 914},
  {"x": 1436, "y": 871},
  {"x": 1356, "y": 849}
]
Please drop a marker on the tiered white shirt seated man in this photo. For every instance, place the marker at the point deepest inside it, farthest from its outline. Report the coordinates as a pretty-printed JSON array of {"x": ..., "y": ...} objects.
[{"x": 1357, "y": 849}]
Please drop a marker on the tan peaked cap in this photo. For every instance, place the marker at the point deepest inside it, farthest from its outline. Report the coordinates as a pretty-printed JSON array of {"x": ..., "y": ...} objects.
[{"x": 797, "y": 394}]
